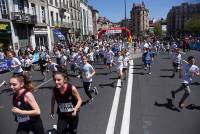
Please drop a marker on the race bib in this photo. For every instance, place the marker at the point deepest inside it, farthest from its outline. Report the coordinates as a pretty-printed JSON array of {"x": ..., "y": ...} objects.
[
  {"x": 66, "y": 107},
  {"x": 22, "y": 118}
]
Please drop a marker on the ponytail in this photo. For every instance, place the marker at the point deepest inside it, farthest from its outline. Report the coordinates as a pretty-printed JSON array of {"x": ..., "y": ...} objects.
[{"x": 28, "y": 85}]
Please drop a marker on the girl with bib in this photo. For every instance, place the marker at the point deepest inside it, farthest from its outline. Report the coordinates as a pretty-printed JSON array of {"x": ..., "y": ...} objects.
[
  {"x": 69, "y": 101},
  {"x": 25, "y": 107}
]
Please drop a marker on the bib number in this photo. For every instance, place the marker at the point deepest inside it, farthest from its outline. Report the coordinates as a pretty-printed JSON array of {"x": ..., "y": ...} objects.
[
  {"x": 66, "y": 107},
  {"x": 22, "y": 118}
]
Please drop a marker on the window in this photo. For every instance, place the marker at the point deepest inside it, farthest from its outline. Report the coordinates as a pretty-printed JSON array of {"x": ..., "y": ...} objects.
[
  {"x": 56, "y": 3},
  {"x": 43, "y": 14},
  {"x": 21, "y": 5},
  {"x": 52, "y": 20},
  {"x": 57, "y": 18},
  {"x": 3, "y": 8},
  {"x": 33, "y": 8},
  {"x": 51, "y": 2}
]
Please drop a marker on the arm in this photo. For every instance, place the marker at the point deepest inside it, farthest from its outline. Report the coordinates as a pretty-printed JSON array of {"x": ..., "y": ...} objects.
[
  {"x": 79, "y": 100},
  {"x": 30, "y": 99},
  {"x": 52, "y": 105},
  {"x": 93, "y": 72}
]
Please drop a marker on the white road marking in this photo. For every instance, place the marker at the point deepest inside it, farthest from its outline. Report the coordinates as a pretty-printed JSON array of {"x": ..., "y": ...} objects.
[
  {"x": 112, "y": 119},
  {"x": 44, "y": 83},
  {"x": 127, "y": 107}
]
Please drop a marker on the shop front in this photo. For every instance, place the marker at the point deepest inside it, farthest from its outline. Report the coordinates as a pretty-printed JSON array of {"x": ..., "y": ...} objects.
[
  {"x": 5, "y": 36},
  {"x": 41, "y": 37}
]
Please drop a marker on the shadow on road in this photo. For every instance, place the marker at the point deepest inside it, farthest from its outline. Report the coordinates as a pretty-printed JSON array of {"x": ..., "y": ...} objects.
[
  {"x": 101, "y": 73},
  {"x": 108, "y": 85},
  {"x": 138, "y": 68},
  {"x": 169, "y": 105},
  {"x": 47, "y": 87},
  {"x": 166, "y": 70},
  {"x": 166, "y": 76},
  {"x": 99, "y": 67},
  {"x": 138, "y": 65},
  {"x": 140, "y": 73},
  {"x": 193, "y": 107}
]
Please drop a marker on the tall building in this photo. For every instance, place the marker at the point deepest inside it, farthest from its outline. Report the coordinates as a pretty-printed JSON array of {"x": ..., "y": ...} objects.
[
  {"x": 22, "y": 23},
  {"x": 5, "y": 29},
  {"x": 90, "y": 22},
  {"x": 75, "y": 13},
  {"x": 139, "y": 18},
  {"x": 178, "y": 15},
  {"x": 40, "y": 31},
  {"x": 84, "y": 18},
  {"x": 59, "y": 21},
  {"x": 95, "y": 17}
]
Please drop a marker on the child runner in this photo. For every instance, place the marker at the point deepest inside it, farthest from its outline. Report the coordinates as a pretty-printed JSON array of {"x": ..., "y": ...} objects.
[
  {"x": 176, "y": 62},
  {"x": 86, "y": 73},
  {"x": 69, "y": 101},
  {"x": 190, "y": 70},
  {"x": 118, "y": 62},
  {"x": 147, "y": 58},
  {"x": 25, "y": 107}
]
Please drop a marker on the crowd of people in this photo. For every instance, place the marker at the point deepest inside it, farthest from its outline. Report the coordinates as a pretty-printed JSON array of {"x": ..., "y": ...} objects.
[{"x": 79, "y": 59}]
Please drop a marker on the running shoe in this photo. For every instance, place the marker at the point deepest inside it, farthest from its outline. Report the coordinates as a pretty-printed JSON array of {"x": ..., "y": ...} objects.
[
  {"x": 95, "y": 90},
  {"x": 90, "y": 101}
]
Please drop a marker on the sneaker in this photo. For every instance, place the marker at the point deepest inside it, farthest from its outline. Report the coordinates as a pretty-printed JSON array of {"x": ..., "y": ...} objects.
[
  {"x": 173, "y": 94},
  {"x": 181, "y": 105},
  {"x": 149, "y": 73},
  {"x": 90, "y": 100},
  {"x": 95, "y": 90}
]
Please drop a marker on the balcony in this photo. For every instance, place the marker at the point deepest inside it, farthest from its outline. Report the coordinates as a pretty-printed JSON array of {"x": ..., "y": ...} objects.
[
  {"x": 19, "y": 17},
  {"x": 5, "y": 16}
]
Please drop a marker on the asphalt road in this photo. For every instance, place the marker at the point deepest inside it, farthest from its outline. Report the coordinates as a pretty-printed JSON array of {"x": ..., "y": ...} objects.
[{"x": 151, "y": 105}]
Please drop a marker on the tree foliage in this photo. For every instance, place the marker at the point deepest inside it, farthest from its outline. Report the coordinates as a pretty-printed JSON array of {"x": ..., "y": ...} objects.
[
  {"x": 193, "y": 25},
  {"x": 158, "y": 30}
]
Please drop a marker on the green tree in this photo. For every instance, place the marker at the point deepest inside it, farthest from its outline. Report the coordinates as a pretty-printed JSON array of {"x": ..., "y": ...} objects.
[
  {"x": 193, "y": 25},
  {"x": 158, "y": 30}
]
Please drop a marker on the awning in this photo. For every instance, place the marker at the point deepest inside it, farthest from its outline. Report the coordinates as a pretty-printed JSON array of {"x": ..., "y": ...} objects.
[{"x": 59, "y": 34}]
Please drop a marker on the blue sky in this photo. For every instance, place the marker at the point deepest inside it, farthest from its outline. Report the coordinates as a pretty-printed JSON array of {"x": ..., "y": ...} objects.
[{"x": 114, "y": 9}]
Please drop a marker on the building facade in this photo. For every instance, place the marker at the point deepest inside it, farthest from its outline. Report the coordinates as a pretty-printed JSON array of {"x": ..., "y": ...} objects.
[
  {"x": 84, "y": 18},
  {"x": 90, "y": 23},
  {"x": 75, "y": 13},
  {"x": 178, "y": 15},
  {"x": 59, "y": 21},
  {"x": 95, "y": 17},
  {"x": 5, "y": 28},
  {"x": 139, "y": 19}
]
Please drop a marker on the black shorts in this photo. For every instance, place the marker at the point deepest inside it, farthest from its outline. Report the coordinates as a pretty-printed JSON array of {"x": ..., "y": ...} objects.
[
  {"x": 176, "y": 65},
  {"x": 27, "y": 68},
  {"x": 124, "y": 69}
]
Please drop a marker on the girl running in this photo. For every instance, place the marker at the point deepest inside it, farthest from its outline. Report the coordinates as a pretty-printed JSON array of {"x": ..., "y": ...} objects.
[
  {"x": 25, "y": 107},
  {"x": 69, "y": 101}
]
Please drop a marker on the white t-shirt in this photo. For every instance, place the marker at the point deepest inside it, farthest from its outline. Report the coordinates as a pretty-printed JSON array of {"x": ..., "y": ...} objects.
[
  {"x": 91, "y": 56},
  {"x": 26, "y": 62},
  {"x": 188, "y": 71},
  {"x": 125, "y": 62},
  {"x": 52, "y": 67},
  {"x": 109, "y": 56},
  {"x": 87, "y": 70},
  {"x": 119, "y": 62},
  {"x": 1, "y": 55},
  {"x": 18, "y": 68},
  {"x": 176, "y": 58}
]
